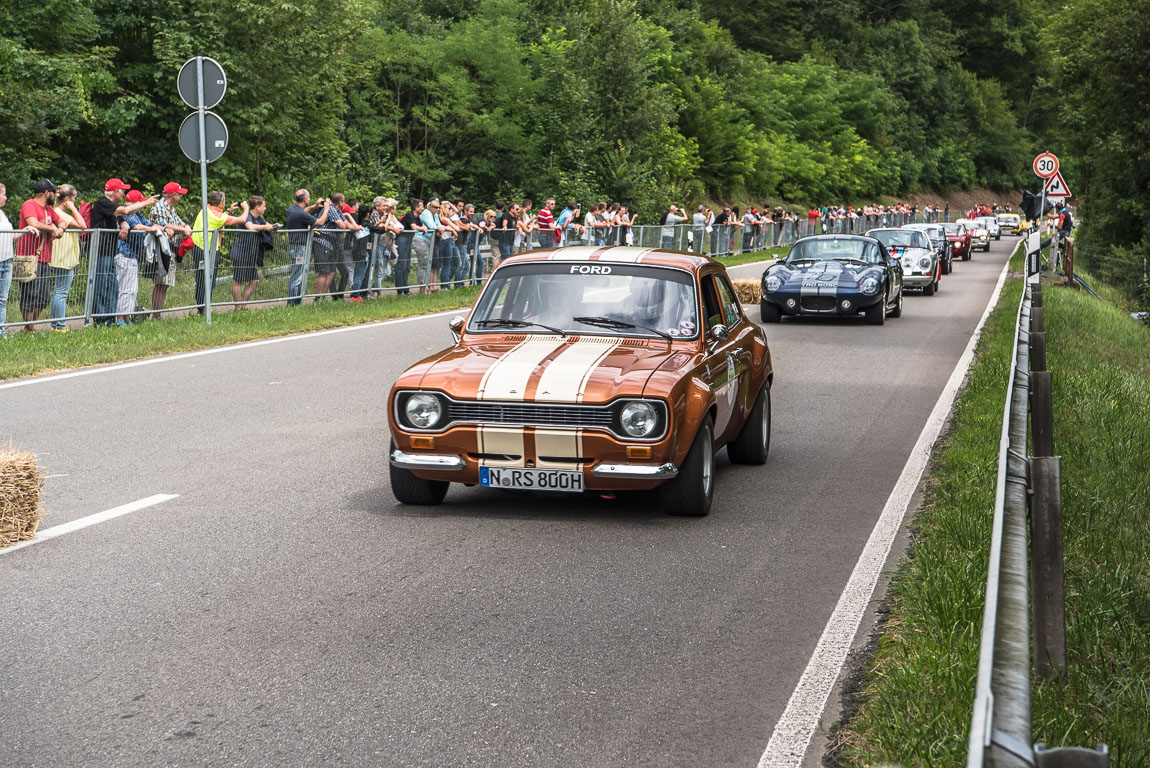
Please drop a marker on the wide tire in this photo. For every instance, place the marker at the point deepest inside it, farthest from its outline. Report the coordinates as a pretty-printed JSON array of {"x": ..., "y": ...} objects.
[
  {"x": 966, "y": 256},
  {"x": 754, "y": 441},
  {"x": 690, "y": 494},
  {"x": 409, "y": 489},
  {"x": 897, "y": 311},
  {"x": 769, "y": 312},
  {"x": 930, "y": 289},
  {"x": 876, "y": 315}
]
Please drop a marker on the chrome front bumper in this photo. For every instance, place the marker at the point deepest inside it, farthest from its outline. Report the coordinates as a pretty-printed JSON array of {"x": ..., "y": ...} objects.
[
  {"x": 451, "y": 463},
  {"x": 427, "y": 461},
  {"x": 636, "y": 471}
]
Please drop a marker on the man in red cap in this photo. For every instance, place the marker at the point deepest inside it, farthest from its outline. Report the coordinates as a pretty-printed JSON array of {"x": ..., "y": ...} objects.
[
  {"x": 106, "y": 216},
  {"x": 164, "y": 214}
]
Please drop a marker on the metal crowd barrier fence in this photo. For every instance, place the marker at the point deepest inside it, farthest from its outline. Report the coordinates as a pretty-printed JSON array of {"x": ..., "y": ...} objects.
[
  {"x": 294, "y": 267},
  {"x": 1000, "y": 731}
]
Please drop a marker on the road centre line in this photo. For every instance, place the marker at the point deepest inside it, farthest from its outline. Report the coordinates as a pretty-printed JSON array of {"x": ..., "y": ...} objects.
[
  {"x": 93, "y": 519},
  {"x": 792, "y": 733},
  {"x": 228, "y": 348}
]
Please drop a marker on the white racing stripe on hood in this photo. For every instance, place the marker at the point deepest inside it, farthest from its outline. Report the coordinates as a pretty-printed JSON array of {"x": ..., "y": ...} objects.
[
  {"x": 564, "y": 379},
  {"x": 822, "y": 279},
  {"x": 507, "y": 378}
]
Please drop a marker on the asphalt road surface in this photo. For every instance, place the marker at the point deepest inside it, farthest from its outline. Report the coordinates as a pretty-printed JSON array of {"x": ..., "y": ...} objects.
[{"x": 285, "y": 610}]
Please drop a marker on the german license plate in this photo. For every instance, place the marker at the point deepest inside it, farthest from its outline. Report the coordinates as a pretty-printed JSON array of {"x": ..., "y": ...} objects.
[{"x": 531, "y": 479}]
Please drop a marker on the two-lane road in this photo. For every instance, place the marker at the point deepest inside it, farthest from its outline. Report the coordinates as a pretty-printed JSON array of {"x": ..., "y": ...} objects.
[{"x": 284, "y": 610}]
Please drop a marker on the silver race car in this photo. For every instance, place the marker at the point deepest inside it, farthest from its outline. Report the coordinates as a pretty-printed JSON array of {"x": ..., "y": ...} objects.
[{"x": 919, "y": 259}]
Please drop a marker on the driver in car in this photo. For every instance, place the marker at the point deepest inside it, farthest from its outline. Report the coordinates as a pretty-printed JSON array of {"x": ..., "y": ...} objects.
[{"x": 556, "y": 301}]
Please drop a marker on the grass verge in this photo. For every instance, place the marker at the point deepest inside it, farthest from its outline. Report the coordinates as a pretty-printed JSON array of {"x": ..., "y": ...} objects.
[
  {"x": 753, "y": 256},
  {"x": 914, "y": 706},
  {"x": 26, "y": 354}
]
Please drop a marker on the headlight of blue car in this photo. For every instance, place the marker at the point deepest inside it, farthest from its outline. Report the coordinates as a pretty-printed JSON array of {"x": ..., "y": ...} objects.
[
  {"x": 773, "y": 283},
  {"x": 869, "y": 286}
]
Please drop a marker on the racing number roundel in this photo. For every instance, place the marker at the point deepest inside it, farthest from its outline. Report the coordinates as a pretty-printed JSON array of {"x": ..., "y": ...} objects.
[
  {"x": 1045, "y": 165},
  {"x": 732, "y": 380}
]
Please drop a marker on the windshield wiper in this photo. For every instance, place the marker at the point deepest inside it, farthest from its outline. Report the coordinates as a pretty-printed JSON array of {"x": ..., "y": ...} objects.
[
  {"x": 518, "y": 324},
  {"x": 607, "y": 322}
]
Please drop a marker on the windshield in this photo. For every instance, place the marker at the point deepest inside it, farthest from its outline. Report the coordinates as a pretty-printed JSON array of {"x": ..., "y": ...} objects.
[
  {"x": 933, "y": 232},
  {"x": 1008, "y": 217},
  {"x": 954, "y": 229},
  {"x": 900, "y": 238},
  {"x": 832, "y": 249},
  {"x": 545, "y": 297}
]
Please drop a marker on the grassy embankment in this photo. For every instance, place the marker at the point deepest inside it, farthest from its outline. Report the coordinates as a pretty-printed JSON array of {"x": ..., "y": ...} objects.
[
  {"x": 28, "y": 354},
  {"x": 915, "y": 704}
]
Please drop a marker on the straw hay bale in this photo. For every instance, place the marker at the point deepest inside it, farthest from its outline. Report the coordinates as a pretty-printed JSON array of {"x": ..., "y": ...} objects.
[
  {"x": 748, "y": 291},
  {"x": 20, "y": 484}
]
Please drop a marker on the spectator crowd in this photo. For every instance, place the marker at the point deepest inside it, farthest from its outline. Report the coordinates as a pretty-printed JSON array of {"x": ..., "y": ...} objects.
[{"x": 351, "y": 247}]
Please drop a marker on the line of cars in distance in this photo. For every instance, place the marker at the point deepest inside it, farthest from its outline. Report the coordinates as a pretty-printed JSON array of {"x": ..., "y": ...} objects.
[{"x": 867, "y": 274}]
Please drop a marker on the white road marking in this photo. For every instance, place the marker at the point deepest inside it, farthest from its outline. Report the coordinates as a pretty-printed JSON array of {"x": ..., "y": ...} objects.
[
  {"x": 84, "y": 522},
  {"x": 792, "y": 734},
  {"x": 230, "y": 348}
]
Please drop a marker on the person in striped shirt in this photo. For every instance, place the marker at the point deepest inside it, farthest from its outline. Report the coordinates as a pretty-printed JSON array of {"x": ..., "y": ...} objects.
[{"x": 545, "y": 224}]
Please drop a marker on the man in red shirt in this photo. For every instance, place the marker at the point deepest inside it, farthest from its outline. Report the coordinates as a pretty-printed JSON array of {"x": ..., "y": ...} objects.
[
  {"x": 546, "y": 224},
  {"x": 38, "y": 215}
]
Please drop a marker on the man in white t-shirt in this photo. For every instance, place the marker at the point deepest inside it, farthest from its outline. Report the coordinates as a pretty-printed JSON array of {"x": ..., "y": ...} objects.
[{"x": 671, "y": 218}]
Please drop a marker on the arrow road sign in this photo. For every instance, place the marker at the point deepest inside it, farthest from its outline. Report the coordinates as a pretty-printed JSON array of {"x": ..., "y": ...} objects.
[
  {"x": 215, "y": 83},
  {"x": 1045, "y": 165},
  {"x": 1056, "y": 186}
]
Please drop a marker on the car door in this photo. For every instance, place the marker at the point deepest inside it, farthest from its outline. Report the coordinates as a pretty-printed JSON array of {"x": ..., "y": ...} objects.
[
  {"x": 740, "y": 353},
  {"x": 719, "y": 368},
  {"x": 894, "y": 277}
]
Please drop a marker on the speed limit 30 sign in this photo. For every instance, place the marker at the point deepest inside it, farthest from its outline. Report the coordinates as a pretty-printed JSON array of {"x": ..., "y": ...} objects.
[{"x": 1045, "y": 165}]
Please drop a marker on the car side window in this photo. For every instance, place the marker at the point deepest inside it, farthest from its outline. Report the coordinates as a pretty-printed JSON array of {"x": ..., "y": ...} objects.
[
  {"x": 730, "y": 303},
  {"x": 711, "y": 309}
]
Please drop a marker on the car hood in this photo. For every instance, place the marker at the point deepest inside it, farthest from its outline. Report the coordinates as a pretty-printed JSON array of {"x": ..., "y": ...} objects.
[
  {"x": 542, "y": 368},
  {"x": 823, "y": 275}
]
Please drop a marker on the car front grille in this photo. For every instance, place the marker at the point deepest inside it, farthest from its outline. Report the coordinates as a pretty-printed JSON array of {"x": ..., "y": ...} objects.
[
  {"x": 531, "y": 414},
  {"x": 818, "y": 303}
]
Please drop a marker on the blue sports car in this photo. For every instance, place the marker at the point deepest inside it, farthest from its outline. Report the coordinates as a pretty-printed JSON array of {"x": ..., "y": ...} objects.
[{"x": 833, "y": 275}]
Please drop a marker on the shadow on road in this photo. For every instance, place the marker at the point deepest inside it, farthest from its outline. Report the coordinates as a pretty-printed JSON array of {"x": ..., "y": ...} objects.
[{"x": 462, "y": 502}]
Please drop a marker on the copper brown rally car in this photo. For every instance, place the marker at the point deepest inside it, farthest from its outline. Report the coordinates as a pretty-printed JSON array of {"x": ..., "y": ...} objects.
[{"x": 588, "y": 369}]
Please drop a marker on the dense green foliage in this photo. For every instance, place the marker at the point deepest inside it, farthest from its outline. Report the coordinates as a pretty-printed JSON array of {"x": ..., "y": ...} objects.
[
  {"x": 1101, "y": 73},
  {"x": 646, "y": 101}
]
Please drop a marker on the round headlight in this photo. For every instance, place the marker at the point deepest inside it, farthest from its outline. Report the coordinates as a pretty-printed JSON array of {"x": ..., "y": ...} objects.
[
  {"x": 638, "y": 419},
  {"x": 423, "y": 411},
  {"x": 869, "y": 286},
  {"x": 924, "y": 263},
  {"x": 773, "y": 283}
]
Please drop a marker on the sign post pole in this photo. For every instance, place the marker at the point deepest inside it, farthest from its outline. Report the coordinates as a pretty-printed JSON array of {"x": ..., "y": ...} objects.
[
  {"x": 209, "y": 272},
  {"x": 202, "y": 96}
]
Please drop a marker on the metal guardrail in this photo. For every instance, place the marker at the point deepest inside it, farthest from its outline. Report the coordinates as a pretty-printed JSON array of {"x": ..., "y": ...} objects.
[{"x": 1001, "y": 735}]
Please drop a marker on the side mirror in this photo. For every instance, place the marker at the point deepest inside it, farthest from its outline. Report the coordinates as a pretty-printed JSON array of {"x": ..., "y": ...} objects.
[
  {"x": 456, "y": 326},
  {"x": 718, "y": 335}
]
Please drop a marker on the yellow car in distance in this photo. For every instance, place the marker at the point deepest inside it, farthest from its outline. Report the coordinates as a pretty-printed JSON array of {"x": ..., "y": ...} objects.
[{"x": 1012, "y": 223}]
